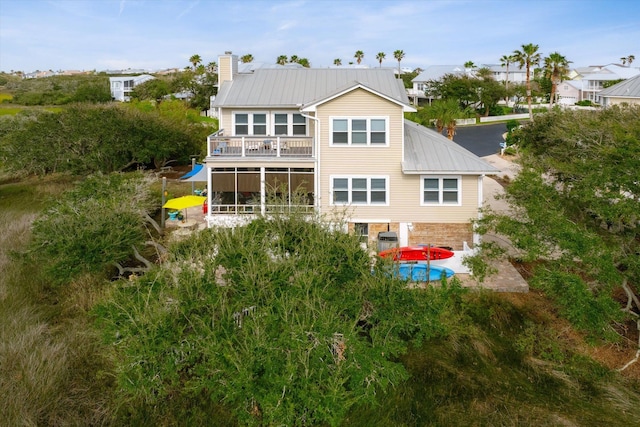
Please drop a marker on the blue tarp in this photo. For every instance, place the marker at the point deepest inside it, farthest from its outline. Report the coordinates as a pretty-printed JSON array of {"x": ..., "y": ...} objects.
[{"x": 194, "y": 171}]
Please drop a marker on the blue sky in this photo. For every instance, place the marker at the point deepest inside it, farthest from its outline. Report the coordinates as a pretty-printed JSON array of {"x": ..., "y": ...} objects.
[{"x": 158, "y": 34}]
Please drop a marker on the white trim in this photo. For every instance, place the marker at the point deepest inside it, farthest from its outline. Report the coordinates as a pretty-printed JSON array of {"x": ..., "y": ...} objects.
[{"x": 441, "y": 190}]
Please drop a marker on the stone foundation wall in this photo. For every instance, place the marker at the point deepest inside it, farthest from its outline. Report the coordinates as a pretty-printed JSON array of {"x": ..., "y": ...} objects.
[{"x": 449, "y": 235}]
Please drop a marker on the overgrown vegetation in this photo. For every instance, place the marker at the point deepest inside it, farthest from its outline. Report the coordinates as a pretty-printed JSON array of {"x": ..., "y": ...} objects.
[
  {"x": 83, "y": 139},
  {"x": 103, "y": 222},
  {"x": 575, "y": 208},
  {"x": 59, "y": 90}
]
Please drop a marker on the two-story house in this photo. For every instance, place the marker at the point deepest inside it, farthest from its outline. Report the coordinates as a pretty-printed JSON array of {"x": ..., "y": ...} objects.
[
  {"x": 122, "y": 86},
  {"x": 516, "y": 75},
  {"x": 586, "y": 83},
  {"x": 339, "y": 137}
]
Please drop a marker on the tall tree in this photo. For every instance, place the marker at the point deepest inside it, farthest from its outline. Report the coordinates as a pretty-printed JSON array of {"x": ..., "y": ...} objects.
[
  {"x": 195, "y": 60},
  {"x": 556, "y": 68},
  {"x": 398, "y": 55},
  {"x": 574, "y": 213},
  {"x": 294, "y": 59},
  {"x": 304, "y": 62},
  {"x": 505, "y": 61},
  {"x": 337, "y": 62},
  {"x": 246, "y": 58},
  {"x": 445, "y": 112},
  {"x": 380, "y": 57},
  {"x": 282, "y": 59},
  {"x": 359, "y": 55},
  {"x": 527, "y": 57},
  {"x": 469, "y": 65}
]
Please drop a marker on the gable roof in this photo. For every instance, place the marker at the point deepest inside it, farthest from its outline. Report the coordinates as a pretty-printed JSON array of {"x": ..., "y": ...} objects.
[
  {"x": 350, "y": 88},
  {"x": 626, "y": 89},
  {"x": 293, "y": 87},
  {"x": 426, "y": 151}
]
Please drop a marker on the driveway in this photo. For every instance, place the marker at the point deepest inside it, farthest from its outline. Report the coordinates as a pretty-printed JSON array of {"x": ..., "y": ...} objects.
[{"x": 481, "y": 140}]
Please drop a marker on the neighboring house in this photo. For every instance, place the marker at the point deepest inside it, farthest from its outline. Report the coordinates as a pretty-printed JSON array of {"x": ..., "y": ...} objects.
[
  {"x": 516, "y": 75},
  {"x": 625, "y": 92},
  {"x": 339, "y": 137},
  {"x": 586, "y": 83},
  {"x": 122, "y": 86},
  {"x": 434, "y": 72}
]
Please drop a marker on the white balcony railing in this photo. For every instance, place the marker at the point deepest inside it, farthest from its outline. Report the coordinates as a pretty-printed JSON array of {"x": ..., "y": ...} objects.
[{"x": 219, "y": 145}]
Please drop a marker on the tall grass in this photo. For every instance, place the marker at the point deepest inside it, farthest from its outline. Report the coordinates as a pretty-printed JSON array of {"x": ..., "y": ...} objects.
[{"x": 49, "y": 362}]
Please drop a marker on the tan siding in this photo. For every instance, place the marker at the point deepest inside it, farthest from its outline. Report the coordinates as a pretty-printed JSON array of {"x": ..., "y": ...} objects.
[
  {"x": 360, "y": 160},
  {"x": 404, "y": 191}
]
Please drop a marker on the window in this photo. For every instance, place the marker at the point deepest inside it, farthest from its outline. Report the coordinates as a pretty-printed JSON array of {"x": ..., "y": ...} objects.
[
  {"x": 441, "y": 191},
  {"x": 361, "y": 229},
  {"x": 250, "y": 123},
  {"x": 242, "y": 124},
  {"x": 359, "y": 131},
  {"x": 289, "y": 124},
  {"x": 359, "y": 190}
]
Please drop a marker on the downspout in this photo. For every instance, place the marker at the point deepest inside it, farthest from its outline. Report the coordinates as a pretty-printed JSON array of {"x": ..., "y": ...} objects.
[
  {"x": 476, "y": 236},
  {"x": 316, "y": 185}
]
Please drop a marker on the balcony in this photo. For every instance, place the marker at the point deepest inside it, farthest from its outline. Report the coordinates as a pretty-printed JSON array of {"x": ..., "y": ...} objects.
[{"x": 219, "y": 145}]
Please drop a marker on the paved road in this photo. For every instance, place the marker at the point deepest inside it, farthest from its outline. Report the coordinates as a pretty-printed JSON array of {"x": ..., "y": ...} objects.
[{"x": 481, "y": 140}]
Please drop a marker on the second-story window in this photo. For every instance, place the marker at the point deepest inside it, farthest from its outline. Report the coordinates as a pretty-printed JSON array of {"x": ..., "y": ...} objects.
[
  {"x": 250, "y": 123},
  {"x": 359, "y": 131},
  {"x": 289, "y": 124}
]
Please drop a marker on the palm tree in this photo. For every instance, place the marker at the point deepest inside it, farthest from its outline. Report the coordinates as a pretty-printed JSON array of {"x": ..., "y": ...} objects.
[
  {"x": 294, "y": 59},
  {"x": 337, "y": 62},
  {"x": 505, "y": 61},
  {"x": 380, "y": 57},
  {"x": 359, "y": 55},
  {"x": 445, "y": 112},
  {"x": 282, "y": 59},
  {"x": 304, "y": 62},
  {"x": 623, "y": 60},
  {"x": 630, "y": 59},
  {"x": 469, "y": 65},
  {"x": 528, "y": 57},
  {"x": 246, "y": 58},
  {"x": 195, "y": 60},
  {"x": 398, "y": 55},
  {"x": 212, "y": 67},
  {"x": 556, "y": 67}
]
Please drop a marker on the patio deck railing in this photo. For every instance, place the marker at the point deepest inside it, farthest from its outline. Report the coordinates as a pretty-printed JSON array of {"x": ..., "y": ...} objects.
[
  {"x": 239, "y": 209},
  {"x": 219, "y": 145}
]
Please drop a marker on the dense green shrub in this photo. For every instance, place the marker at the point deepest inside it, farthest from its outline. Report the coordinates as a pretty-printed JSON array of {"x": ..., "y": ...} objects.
[
  {"x": 85, "y": 138},
  {"x": 92, "y": 227},
  {"x": 280, "y": 321}
]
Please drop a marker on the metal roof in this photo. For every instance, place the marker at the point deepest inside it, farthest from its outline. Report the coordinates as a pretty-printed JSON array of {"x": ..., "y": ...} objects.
[
  {"x": 426, "y": 151},
  {"x": 626, "y": 89},
  {"x": 292, "y": 87}
]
